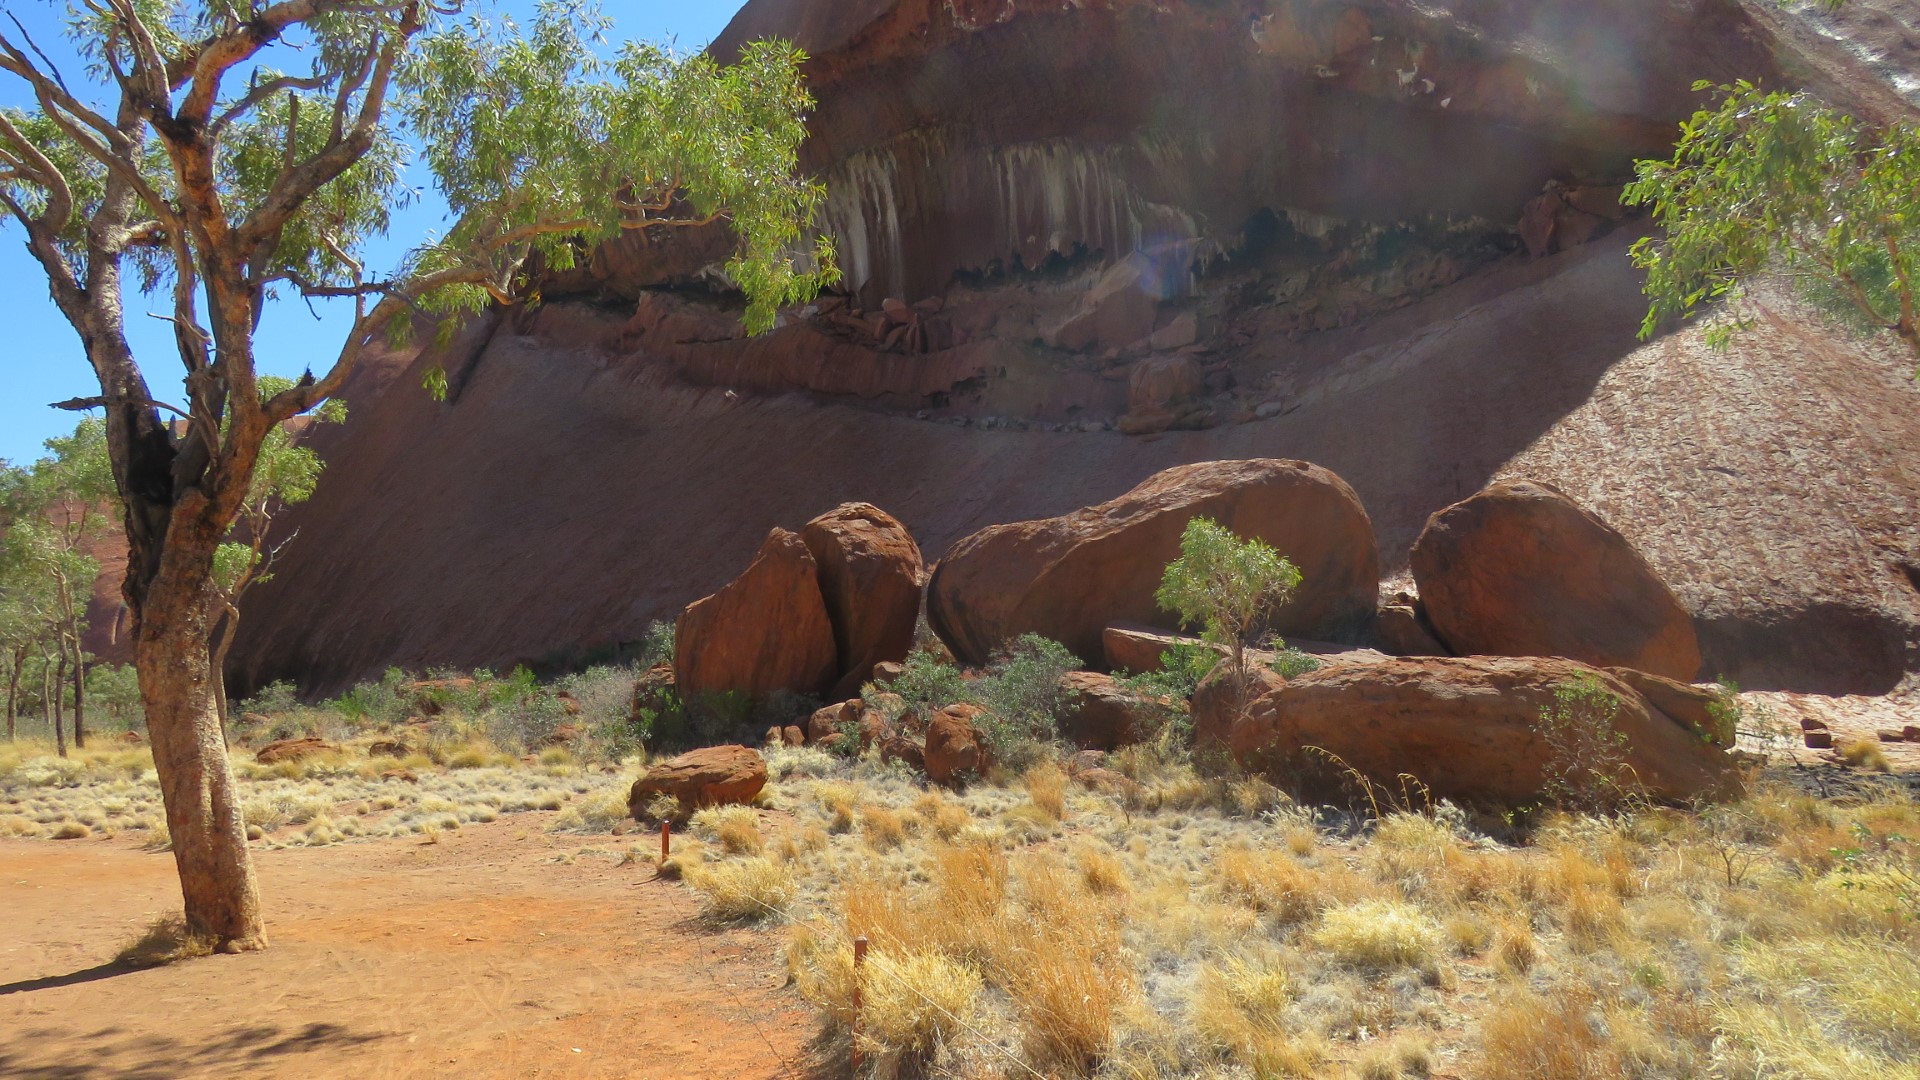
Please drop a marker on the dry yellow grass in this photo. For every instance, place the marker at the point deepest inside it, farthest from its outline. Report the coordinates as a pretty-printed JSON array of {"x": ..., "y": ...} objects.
[
  {"x": 165, "y": 941},
  {"x": 1047, "y": 788},
  {"x": 1379, "y": 934},
  {"x": 883, "y": 828},
  {"x": 741, "y": 890}
]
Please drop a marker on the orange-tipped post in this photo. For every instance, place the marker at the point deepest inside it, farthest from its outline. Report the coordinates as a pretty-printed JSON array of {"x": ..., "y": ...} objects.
[{"x": 859, "y": 970}]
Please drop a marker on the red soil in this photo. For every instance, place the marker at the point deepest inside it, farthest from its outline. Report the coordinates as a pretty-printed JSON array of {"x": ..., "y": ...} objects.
[{"x": 481, "y": 956}]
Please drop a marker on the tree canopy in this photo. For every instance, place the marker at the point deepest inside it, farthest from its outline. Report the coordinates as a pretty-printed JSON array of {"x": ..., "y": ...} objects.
[{"x": 1777, "y": 182}]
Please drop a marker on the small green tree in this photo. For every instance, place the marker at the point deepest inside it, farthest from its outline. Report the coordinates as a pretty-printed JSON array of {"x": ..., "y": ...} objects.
[
  {"x": 1775, "y": 181},
  {"x": 286, "y": 476},
  {"x": 1225, "y": 585},
  {"x": 1586, "y": 767}
]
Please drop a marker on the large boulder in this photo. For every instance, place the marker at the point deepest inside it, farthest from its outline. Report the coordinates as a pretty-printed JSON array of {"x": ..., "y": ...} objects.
[
  {"x": 710, "y": 776},
  {"x": 954, "y": 744},
  {"x": 1467, "y": 728},
  {"x": 1520, "y": 569},
  {"x": 766, "y": 631},
  {"x": 870, "y": 573},
  {"x": 1068, "y": 578},
  {"x": 1103, "y": 715}
]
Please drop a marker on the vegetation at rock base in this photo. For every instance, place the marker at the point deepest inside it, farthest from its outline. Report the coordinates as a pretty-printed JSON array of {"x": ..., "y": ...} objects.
[
  {"x": 1195, "y": 924},
  {"x": 1777, "y": 181},
  {"x": 1586, "y": 768},
  {"x": 179, "y": 161}
]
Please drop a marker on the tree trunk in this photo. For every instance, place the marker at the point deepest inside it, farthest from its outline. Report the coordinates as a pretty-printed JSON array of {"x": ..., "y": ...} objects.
[
  {"x": 13, "y": 689},
  {"x": 203, "y": 803},
  {"x": 79, "y": 697},
  {"x": 59, "y": 691},
  {"x": 220, "y": 650}
]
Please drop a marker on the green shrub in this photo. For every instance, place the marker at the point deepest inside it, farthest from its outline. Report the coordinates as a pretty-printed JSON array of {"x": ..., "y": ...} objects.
[
  {"x": 113, "y": 698},
  {"x": 1586, "y": 767},
  {"x": 605, "y": 697},
  {"x": 275, "y": 697},
  {"x": 656, "y": 647},
  {"x": 1289, "y": 662},
  {"x": 927, "y": 683},
  {"x": 375, "y": 704},
  {"x": 1182, "y": 668},
  {"x": 1023, "y": 697}
]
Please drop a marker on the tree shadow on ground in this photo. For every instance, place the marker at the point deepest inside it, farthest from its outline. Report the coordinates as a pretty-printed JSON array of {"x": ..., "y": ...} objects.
[
  {"x": 234, "y": 1052},
  {"x": 72, "y": 978}
]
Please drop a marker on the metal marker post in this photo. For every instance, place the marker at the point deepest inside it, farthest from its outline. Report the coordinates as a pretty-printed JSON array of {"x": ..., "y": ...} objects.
[{"x": 859, "y": 964}]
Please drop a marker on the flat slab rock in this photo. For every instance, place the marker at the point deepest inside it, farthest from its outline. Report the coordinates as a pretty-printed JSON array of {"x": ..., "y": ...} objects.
[{"x": 1466, "y": 727}]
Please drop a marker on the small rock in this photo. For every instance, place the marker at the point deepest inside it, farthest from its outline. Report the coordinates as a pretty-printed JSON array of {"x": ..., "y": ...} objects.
[
  {"x": 292, "y": 750},
  {"x": 832, "y": 720},
  {"x": 1819, "y": 740},
  {"x": 711, "y": 776},
  {"x": 954, "y": 745},
  {"x": 1184, "y": 330}
]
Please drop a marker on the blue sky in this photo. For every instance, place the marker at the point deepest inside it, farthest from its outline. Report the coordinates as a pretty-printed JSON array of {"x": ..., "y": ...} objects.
[{"x": 42, "y": 361}]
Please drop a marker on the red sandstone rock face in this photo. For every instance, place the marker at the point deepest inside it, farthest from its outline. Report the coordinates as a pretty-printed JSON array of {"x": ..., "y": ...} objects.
[
  {"x": 869, "y": 570},
  {"x": 1466, "y": 727},
  {"x": 1069, "y": 578},
  {"x": 766, "y": 631},
  {"x": 588, "y": 490},
  {"x": 967, "y": 135},
  {"x": 1521, "y": 570},
  {"x": 710, "y": 776}
]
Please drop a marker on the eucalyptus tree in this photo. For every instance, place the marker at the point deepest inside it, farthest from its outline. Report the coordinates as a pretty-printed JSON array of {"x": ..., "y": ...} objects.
[
  {"x": 217, "y": 153},
  {"x": 1778, "y": 182}
]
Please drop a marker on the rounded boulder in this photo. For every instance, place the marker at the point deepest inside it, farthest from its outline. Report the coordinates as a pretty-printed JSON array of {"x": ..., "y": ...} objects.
[
  {"x": 766, "y": 631},
  {"x": 1520, "y": 569},
  {"x": 1068, "y": 578},
  {"x": 1467, "y": 728},
  {"x": 870, "y": 572}
]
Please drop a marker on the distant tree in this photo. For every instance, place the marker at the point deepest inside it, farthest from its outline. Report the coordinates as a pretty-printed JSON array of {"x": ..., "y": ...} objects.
[
  {"x": 55, "y": 509},
  {"x": 1779, "y": 182},
  {"x": 184, "y": 155},
  {"x": 285, "y": 476},
  {"x": 1225, "y": 585}
]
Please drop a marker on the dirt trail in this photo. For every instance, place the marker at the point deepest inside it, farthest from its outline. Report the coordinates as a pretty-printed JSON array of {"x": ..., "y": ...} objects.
[{"x": 485, "y": 955}]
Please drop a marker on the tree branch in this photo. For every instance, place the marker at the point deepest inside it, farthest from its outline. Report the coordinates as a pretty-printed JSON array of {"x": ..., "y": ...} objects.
[
  {"x": 259, "y": 94},
  {"x": 83, "y": 404}
]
